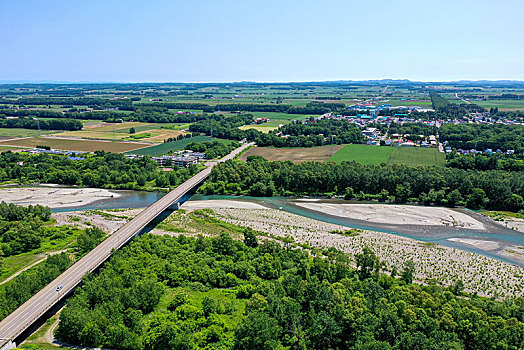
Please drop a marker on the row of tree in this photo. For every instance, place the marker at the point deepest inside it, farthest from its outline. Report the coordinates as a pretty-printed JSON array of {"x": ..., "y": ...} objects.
[
  {"x": 495, "y": 161},
  {"x": 495, "y": 189},
  {"x": 102, "y": 170},
  {"x": 213, "y": 149},
  {"x": 47, "y": 124}
]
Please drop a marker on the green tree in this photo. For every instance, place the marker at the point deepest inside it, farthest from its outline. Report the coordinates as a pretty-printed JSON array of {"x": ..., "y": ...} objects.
[
  {"x": 477, "y": 199},
  {"x": 408, "y": 272},
  {"x": 367, "y": 263},
  {"x": 250, "y": 237},
  {"x": 454, "y": 197},
  {"x": 257, "y": 331}
]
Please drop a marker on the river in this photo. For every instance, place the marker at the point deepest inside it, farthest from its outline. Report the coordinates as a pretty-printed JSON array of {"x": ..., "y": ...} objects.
[{"x": 435, "y": 234}]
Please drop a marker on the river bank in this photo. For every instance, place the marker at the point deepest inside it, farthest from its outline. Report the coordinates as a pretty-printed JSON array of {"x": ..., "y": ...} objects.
[{"x": 440, "y": 264}]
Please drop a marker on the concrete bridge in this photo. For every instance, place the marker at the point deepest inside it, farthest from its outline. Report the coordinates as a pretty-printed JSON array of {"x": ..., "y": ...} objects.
[{"x": 28, "y": 313}]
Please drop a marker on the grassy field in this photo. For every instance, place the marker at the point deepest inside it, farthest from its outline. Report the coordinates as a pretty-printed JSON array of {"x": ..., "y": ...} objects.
[
  {"x": 263, "y": 128},
  {"x": 75, "y": 145},
  {"x": 168, "y": 146},
  {"x": 296, "y": 155},
  {"x": 505, "y": 105},
  {"x": 364, "y": 154},
  {"x": 15, "y": 132},
  {"x": 149, "y": 133},
  {"x": 413, "y": 156}
]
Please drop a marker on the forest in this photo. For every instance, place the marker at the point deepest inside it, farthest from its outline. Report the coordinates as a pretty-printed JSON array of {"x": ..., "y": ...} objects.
[
  {"x": 30, "y": 230},
  {"x": 218, "y": 293},
  {"x": 310, "y": 134},
  {"x": 15, "y": 292},
  {"x": 342, "y": 131},
  {"x": 496, "y": 189},
  {"x": 102, "y": 170},
  {"x": 482, "y": 136},
  {"x": 22, "y": 228},
  {"x": 495, "y": 161}
]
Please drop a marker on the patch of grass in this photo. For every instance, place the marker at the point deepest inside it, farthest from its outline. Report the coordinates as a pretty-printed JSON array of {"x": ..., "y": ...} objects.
[
  {"x": 143, "y": 135},
  {"x": 40, "y": 333},
  {"x": 39, "y": 346},
  {"x": 15, "y": 132},
  {"x": 503, "y": 215},
  {"x": 348, "y": 233},
  {"x": 415, "y": 156},
  {"x": 15, "y": 263},
  {"x": 365, "y": 154}
]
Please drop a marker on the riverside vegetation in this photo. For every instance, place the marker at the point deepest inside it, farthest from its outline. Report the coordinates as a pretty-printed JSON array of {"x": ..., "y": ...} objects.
[
  {"x": 104, "y": 170},
  {"x": 26, "y": 232},
  {"x": 496, "y": 189},
  {"x": 218, "y": 293}
]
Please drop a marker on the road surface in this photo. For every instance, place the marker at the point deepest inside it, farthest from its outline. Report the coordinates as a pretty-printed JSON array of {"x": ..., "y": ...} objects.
[{"x": 20, "y": 319}]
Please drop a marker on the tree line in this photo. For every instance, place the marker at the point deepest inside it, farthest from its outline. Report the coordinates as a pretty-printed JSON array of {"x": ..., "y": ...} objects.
[
  {"x": 218, "y": 293},
  {"x": 48, "y": 124},
  {"x": 498, "y": 190},
  {"x": 213, "y": 149}
]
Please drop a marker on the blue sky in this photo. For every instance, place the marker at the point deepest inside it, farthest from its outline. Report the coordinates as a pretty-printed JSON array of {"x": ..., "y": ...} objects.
[{"x": 284, "y": 40}]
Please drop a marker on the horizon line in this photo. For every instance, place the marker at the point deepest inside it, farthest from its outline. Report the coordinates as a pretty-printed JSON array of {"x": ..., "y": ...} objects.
[{"x": 400, "y": 80}]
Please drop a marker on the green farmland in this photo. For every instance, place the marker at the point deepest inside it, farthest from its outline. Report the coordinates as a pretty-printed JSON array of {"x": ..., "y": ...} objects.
[
  {"x": 415, "y": 156},
  {"x": 366, "y": 154},
  {"x": 168, "y": 146}
]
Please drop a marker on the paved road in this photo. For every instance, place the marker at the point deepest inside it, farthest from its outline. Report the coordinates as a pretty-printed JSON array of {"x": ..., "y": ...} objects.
[{"x": 20, "y": 319}]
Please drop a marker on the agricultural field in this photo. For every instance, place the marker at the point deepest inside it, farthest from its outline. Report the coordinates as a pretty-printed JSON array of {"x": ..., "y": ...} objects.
[
  {"x": 262, "y": 128},
  {"x": 502, "y": 105},
  {"x": 413, "y": 156},
  {"x": 169, "y": 146},
  {"x": 75, "y": 145},
  {"x": 7, "y": 148},
  {"x": 149, "y": 132},
  {"x": 364, "y": 154},
  {"x": 15, "y": 132},
  {"x": 296, "y": 155},
  {"x": 419, "y": 103}
]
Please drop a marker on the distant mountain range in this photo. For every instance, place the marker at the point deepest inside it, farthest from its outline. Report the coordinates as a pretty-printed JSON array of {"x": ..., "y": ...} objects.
[{"x": 332, "y": 82}]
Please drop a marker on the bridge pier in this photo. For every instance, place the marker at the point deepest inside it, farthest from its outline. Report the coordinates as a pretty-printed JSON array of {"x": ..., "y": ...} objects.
[
  {"x": 9, "y": 345},
  {"x": 174, "y": 206}
]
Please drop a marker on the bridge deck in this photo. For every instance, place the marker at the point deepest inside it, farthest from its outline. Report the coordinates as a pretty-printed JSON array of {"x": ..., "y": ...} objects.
[{"x": 20, "y": 319}]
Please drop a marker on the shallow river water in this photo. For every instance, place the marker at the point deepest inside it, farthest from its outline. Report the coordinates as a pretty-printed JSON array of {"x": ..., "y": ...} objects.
[{"x": 437, "y": 234}]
